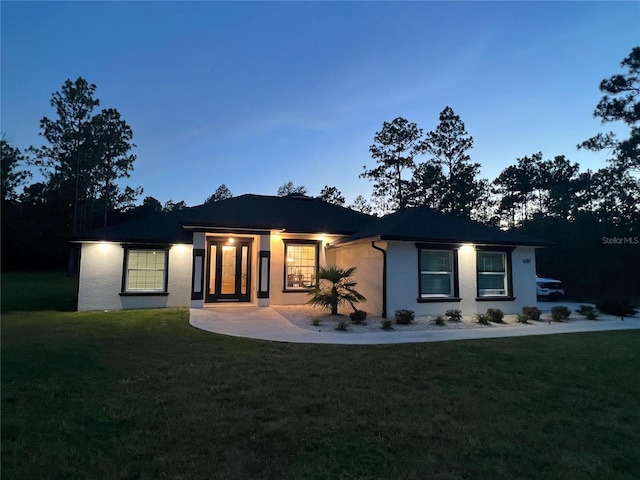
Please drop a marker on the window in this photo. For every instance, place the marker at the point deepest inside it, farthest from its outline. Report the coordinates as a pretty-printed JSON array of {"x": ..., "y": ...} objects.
[
  {"x": 493, "y": 273},
  {"x": 436, "y": 273},
  {"x": 301, "y": 264},
  {"x": 145, "y": 270}
]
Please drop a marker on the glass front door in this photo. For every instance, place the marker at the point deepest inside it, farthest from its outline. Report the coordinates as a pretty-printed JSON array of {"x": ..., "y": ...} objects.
[{"x": 228, "y": 271}]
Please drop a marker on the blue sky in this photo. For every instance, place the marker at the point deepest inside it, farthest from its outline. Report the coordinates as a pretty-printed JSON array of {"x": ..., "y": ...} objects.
[{"x": 254, "y": 94}]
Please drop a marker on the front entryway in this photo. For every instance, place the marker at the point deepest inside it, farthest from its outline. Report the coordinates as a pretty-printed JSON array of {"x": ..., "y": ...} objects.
[{"x": 228, "y": 270}]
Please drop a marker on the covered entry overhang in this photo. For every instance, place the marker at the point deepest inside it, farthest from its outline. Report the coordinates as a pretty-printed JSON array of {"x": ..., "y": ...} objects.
[{"x": 230, "y": 265}]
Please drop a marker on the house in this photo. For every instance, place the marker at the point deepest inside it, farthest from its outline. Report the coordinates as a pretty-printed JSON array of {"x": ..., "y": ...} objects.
[{"x": 265, "y": 250}]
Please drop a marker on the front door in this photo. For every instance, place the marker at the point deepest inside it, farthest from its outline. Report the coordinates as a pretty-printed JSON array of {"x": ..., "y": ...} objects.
[{"x": 228, "y": 270}]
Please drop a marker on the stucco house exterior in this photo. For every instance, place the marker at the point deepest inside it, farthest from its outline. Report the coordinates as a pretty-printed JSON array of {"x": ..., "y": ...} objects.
[{"x": 266, "y": 250}]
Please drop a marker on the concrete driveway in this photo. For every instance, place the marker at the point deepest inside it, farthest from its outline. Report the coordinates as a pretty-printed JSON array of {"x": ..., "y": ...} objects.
[{"x": 264, "y": 323}]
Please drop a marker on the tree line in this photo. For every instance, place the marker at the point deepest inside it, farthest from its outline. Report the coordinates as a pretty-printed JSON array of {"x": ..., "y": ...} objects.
[{"x": 87, "y": 153}]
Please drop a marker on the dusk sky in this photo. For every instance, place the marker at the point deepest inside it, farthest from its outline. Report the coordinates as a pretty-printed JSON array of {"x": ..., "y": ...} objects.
[{"x": 255, "y": 94}]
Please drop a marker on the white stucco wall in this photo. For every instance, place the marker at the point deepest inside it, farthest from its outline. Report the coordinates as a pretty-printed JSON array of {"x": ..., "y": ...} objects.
[
  {"x": 277, "y": 294},
  {"x": 368, "y": 262},
  {"x": 402, "y": 282},
  {"x": 402, "y": 279},
  {"x": 100, "y": 281}
]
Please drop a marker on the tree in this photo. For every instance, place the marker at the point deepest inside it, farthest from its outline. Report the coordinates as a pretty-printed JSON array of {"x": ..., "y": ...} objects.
[
  {"x": 427, "y": 185},
  {"x": 559, "y": 178},
  {"x": 360, "y": 205},
  {"x": 336, "y": 287},
  {"x": 618, "y": 196},
  {"x": 85, "y": 156},
  {"x": 394, "y": 149},
  {"x": 332, "y": 195},
  {"x": 620, "y": 104},
  {"x": 221, "y": 193},
  {"x": 288, "y": 189},
  {"x": 450, "y": 183},
  {"x": 12, "y": 178},
  {"x": 66, "y": 161},
  {"x": 151, "y": 205},
  {"x": 171, "y": 206},
  {"x": 515, "y": 187},
  {"x": 112, "y": 141}
]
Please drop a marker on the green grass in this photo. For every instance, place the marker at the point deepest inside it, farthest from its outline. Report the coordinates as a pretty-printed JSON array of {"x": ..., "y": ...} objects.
[
  {"x": 142, "y": 395},
  {"x": 23, "y": 291}
]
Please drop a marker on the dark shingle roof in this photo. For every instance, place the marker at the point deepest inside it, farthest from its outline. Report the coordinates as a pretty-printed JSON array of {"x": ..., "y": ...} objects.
[
  {"x": 421, "y": 224},
  {"x": 300, "y": 214},
  {"x": 292, "y": 213}
]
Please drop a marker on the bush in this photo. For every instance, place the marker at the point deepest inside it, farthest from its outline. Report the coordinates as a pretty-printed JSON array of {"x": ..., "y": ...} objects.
[
  {"x": 560, "y": 313},
  {"x": 454, "y": 314},
  {"x": 335, "y": 288},
  {"x": 359, "y": 316},
  {"x": 404, "y": 317},
  {"x": 482, "y": 318},
  {"x": 439, "y": 320},
  {"x": 315, "y": 321},
  {"x": 386, "y": 324},
  {"x": 588, "y": 312},
  {"x": 620, "y": 307},
  {"x": 495, "y": 315},
  {"x": 522, "y": 318},
  {"x": 342, "y": 324},
  {"x": 532, "y": 313}
]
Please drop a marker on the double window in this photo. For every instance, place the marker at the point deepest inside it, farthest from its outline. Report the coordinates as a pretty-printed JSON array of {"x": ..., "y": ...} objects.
[
  {"x": 301, "y": 264},
  {"x": 494, "y": 273},
  {"x": 145, "y": 270},
  {"x": 438, "y": 273}
]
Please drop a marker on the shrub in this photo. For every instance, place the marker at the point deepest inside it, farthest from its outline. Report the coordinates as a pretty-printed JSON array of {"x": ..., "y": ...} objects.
[
  {"x": 454, "y": 314},
  {"x": 336, "y": 287},
  {"x": 342, "y": 324},
  {"x": 315, "y": 321},
  {"x": 386, "y": 324},
  {"x": 482, "y": 318},
  {"x": 532, "y": 313},
  {"x": 588, "y": 312},
  {"x": 439, "y": 320},
  {"x": 560, "y": 313},
  {"x": 404, "y": 317},
  {"x": 522, "y": 318},
  {"x": 619, "y": 307},
  {"x": 359, "y": 316},
  {"x": 495, "y": 315}
]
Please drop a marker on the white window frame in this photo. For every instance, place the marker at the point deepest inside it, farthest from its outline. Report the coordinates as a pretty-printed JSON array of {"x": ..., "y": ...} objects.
[{"x": 161, "y": 267}]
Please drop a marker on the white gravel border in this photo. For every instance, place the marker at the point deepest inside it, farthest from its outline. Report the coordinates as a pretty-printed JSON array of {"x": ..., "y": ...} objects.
[{"x": 302, "y": 316}]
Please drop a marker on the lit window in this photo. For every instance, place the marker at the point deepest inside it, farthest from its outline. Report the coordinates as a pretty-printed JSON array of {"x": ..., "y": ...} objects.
[
  {"x": 301, "y": 265},
  {"x": 436, "y": 273},
  {"x": 492, "y": 274},
  {"x": 145, "y": 270}
]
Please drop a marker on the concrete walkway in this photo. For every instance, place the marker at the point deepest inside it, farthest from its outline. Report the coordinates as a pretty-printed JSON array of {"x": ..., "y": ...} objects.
[{"x": 264, "y": 323}]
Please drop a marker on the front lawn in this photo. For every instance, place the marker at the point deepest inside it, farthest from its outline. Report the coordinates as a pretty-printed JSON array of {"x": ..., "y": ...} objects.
[{"x": 141, "y": 394}]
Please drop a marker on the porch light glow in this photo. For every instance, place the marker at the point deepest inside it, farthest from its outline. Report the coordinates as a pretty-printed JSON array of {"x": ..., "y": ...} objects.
[
  {"x": 466, "y": 246},
  {"x": 231, "y": 240}
]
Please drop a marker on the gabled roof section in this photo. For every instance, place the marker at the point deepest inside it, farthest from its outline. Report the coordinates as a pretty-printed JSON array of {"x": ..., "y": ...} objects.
[
  {"x": 422, "y": 224},
  {"x": 292, "y": 213}
]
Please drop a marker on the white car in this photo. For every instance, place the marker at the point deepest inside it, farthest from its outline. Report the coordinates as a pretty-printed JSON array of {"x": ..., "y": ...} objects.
[{"x": 549, "y": 288}]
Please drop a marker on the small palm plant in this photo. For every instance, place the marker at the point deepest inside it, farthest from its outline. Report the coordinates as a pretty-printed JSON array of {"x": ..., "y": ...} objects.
[{"x": 335, "y": 288}]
